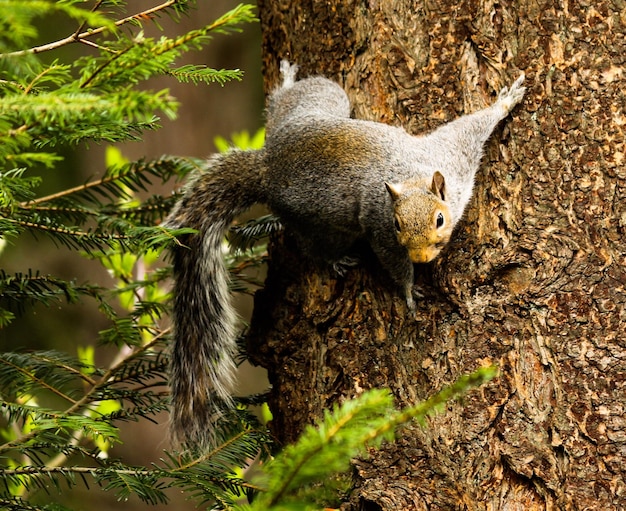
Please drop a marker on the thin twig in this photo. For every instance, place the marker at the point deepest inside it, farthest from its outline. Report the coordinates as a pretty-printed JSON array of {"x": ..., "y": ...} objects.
[
  {"x": 87, "y": 42},
  {"x": 65, "y": 230},
  {"x": 41, "y": 382},
  {"x": 59, "y": 209},
  {"x": 9, "y": 82},
  {"x": 102, "y": 66},
  {"x": 69, "y": 191}
]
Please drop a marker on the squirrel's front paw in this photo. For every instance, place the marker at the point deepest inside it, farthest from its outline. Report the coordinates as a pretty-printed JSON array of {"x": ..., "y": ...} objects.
[
  {"x": 417, "y": 292},
  {"x": 410, "y": 303},
  {"x": 409, "y": 295}
]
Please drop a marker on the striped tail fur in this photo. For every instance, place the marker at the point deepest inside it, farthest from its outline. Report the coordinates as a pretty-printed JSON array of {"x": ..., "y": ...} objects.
[{"x": 202, "y": 367}]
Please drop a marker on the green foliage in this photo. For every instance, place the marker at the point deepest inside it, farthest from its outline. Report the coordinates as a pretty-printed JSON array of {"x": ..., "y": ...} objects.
[
  {"x": 291, "y": 480},
  {"x": 60, "y": 413},
  {"x": 45, "y": 107},
  {"x": 241, "y": 140}
]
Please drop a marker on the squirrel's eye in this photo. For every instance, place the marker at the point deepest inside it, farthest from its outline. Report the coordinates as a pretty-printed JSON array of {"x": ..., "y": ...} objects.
[
  {"x": 396, "y": 224},
  {"x": 440, "y": 220}
]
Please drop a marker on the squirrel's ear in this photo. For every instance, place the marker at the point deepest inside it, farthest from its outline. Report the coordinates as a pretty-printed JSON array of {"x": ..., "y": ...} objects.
[
  {"x": 395, "y": 190},
  {"x": 438, "y": 186}
]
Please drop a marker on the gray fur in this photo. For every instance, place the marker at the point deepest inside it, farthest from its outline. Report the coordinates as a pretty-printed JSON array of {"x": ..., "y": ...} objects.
[
  {"x": 324, "y": 174},
  {"x": 202, "y": 361}
]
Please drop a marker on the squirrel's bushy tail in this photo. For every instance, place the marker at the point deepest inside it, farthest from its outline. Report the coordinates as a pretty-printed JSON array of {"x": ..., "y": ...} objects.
[{"x": 202, "y": 359}]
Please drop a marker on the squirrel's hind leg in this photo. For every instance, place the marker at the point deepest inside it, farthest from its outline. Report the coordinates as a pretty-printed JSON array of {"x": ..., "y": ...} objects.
[
  {"x": 326, "y": 249},
  {"x": 511, "y": 96}
]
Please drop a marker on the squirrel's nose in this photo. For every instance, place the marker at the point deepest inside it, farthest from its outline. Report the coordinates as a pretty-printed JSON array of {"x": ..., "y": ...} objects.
[{"x": 423, "y": 254}]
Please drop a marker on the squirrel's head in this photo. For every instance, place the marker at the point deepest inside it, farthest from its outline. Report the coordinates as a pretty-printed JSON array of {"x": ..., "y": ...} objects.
[{"x": 421, "y": 216}]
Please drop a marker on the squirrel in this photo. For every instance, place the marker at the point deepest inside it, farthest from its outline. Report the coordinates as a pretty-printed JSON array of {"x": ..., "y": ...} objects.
[{"x": 332, "y": 180}]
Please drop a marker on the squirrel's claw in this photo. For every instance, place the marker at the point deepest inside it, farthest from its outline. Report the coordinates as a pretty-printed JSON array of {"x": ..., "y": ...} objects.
[{"x": 344, "y": 264}]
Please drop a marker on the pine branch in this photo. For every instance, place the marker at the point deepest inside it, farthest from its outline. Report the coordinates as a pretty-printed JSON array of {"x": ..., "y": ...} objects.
[
  {"x": 79, "y": 37},
  {"x": 77, "y": 426},
  {"x": 14, "y": 187},
  {"x": 118, "y": 223},
  {"x": 337, "y": 435},
  {"x": 142, "y": 58},
  {"x": 21, "y": 374},
  {"x": 74, "y": 238},
  {"x": 345, "y": 433},
  {"x": 37, "y": 451},
  {"x": 117, "y": 55},
  {"x": 112, "y": 234},
  {"x": 70, "y": 111},
  {"x": 19, "y": 288},
  {"x": 18, "y": 504},
  {"x": 208, "y": 476},
  {"x": 117, "y": 180},
  {"x": 52, "y": 73},
  {"x": 150, "y": 212},
  {"x": 17, "y": 362},
  {"x": 47, "y": 105},
  {"x": 203, "y": 74}
]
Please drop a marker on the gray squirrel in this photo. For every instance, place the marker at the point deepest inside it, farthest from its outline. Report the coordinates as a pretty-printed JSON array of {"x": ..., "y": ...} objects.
[{"x": 333, "y": 181}]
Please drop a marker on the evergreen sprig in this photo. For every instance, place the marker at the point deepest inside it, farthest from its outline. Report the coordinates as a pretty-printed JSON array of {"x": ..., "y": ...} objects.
[
  {"x": 22, "y": 289},
  {"x": 68, "y": 216},
  {"x": 244, "y": 236},
  {"x": 292, "y": 479},
  {"x": 50, "y": 435},
  {"x": 60, "y": 413}
]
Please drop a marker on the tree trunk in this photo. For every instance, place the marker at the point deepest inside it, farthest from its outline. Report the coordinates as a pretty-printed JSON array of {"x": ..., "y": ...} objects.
[{"x": 533, "y": 279}]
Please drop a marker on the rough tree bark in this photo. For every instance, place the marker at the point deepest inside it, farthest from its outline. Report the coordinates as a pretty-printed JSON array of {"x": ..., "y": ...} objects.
[{"x": 533, "y": 280}]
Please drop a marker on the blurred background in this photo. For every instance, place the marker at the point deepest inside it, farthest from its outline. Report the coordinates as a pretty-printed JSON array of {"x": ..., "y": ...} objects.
[{"x": 205, "y": 112}]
